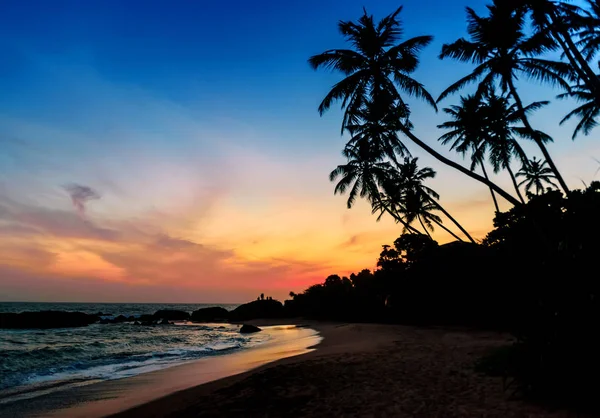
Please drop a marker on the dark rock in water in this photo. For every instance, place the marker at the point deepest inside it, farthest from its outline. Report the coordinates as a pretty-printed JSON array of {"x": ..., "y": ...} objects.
[
  {"x": 146, "y": 317},
  {"x": 46, "y": 319},
  {"x": 120, "y": 318},
  {"x": 267, "y": 308},
  {"x": 171, "y": 314},
  {"x": 165, "y": 322},
  {"x": 105, "y": 321},
  {"x": 131, "y": 318},
  {"x": 249, "y": 329},
  {"x": 213, "y": 314},
  {"x": 137, "y": 323},
  {"x": 148, "y": 323}
]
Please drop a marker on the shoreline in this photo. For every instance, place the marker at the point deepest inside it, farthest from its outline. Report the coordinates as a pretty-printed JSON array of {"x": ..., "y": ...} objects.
[
  {"x": 113, "y": 396},
  {"x": 362, "y": 370}
]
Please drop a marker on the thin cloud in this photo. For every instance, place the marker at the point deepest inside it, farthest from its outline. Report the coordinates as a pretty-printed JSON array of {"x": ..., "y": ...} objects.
[{"x": 80, "y": 195}]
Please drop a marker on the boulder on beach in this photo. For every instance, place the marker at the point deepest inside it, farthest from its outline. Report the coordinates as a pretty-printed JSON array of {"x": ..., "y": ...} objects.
[
  {"x": 46, "y": 319},
  {"x": 171, "y": 315},
  {"x": 267, "y": 308},
  {"x": 213, "y": 314},
  {"x": 249, "y": 329}
]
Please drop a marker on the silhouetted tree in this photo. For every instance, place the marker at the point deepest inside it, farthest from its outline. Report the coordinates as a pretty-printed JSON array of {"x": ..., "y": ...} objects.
[
  {"x": 502, "y": 58},
  {"x": 535, "y": 174}
]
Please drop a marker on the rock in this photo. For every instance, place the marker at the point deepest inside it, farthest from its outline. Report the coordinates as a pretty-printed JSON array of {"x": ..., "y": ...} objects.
[
  {"x": 171, "y": 314},
  {"x": 120, "y": 318},
  {"x": 165, "y": 322},
  {"x": 214, "y": 314},
  {"x": 131, "y": 318},
  {"x": 105, "y": 321},
  {"x": 148, "y": 323},
  {"x": 146, "y": 317},
  {"x": 249, "y": 329},
  {"x": 46, "y": 319},
  {"x": 270, "y": 308}
]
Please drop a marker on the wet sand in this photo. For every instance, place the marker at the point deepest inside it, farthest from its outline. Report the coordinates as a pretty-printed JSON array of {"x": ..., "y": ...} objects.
[
  {"x": 358, "y": 370},
  {"x": 109, "y": 397},
  {"x": 363, "y": 370}
]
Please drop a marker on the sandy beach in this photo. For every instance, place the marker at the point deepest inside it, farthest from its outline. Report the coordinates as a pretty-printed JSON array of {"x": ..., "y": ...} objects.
[{"x": 356, "y": 370}]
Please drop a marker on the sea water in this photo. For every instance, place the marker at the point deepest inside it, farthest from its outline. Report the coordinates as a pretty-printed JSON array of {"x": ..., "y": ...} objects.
[{"x": 38, "y": 361}]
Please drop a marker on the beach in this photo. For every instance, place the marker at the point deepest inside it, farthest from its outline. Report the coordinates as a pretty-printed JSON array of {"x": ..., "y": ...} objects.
[
  {"x": 363, "y": 370},
  {"x": 356, "y": 370}
]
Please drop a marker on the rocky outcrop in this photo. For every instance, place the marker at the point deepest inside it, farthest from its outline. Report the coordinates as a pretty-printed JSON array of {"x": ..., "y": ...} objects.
[
  {"x": 171, "y": 315},
  {"x": 46, "y": 319},
  {"x": 214, "y": 314},
  {"x": 267, "y": 308},
  {"x": 249, "y": 329}
]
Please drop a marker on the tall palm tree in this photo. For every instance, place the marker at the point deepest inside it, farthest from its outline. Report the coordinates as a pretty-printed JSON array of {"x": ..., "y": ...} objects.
[
  {"x": 467, "y": 133},
  {"x": 408, "y": 183},
  {"x": 502, "y": 58},
  {"x": 363, "y": 175},
  {"x": 378, "y": 70},
  {"x": 535, "y": 174},
  {"x": 587, "y": 112},
  {"x": 562, "y": 23},
  {"x": 377, "y": 65},
  {"x": 589, "y": 31}
]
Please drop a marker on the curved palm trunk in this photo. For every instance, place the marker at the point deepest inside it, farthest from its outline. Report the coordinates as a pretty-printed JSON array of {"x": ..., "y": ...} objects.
[
  {"x": 424, "y": 227},
  {"x": 448, "y": 230},
  {"x": 514, "y": 181},
  {"x": 491, "y": 190},
  {"x": 538, "y": 141},
  {"x": 577, "y": 61},
  {"x": 398, "y": 218},
  {"x": 445, "y": 212},
  {"x": 460, "y": 168}
]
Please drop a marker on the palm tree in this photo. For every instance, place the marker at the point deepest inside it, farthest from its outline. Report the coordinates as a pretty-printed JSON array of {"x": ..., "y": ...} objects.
[
  {"x": 406, "y": 185},
  {"x": 377, "y": 66},
  {"x": 536, "y": 173},
  {"x": 560, "y": 21},
  {"x": 501, "y": 58},
  {"x": 587, "y": 112},
  {"x": 467, "y": 133},
  {"x": 362, "y": 176},
  {"x": 378, "y": 71},
  {"x": 589, "y": 31}
]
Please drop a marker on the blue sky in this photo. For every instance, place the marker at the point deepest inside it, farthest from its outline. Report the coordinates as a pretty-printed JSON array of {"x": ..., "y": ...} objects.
[{"x": 197, "y": 120}]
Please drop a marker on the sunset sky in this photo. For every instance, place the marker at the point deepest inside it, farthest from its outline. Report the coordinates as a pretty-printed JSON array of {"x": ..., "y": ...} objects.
[{"x": 171, "y": 151}]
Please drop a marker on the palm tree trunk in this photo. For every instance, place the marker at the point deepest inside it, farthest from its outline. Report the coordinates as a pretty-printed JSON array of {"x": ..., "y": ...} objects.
[
  {"x": 514, "y": 181},
  {"x": 459, "y": 167},
  {"x": 577, "y": 61},
  {"x": 536, "y": 138},
  {"x": 398, "y": 218},
  {"x": 448, "y": 231},
  {"x": 491, "y": 190},
  {"x": 445, "y": 212},
  {"x": 424, "y": 227}
]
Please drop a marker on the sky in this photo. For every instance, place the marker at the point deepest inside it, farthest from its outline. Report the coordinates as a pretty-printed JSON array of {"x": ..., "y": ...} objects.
[{"x": 171, "y": 151}]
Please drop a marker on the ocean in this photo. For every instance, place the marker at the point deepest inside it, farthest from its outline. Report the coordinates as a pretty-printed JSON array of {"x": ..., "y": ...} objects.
[{"x": 39, "y": 361}]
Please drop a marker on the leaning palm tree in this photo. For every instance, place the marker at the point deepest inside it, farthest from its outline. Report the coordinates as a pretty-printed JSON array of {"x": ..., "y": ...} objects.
[
  {"x": 467, "y": 132},
  {"x": 363, "y": 175},
  {"x": 535, "y": 174},
  {"x": 570, "y": 27},
  {"x": 408, "y": 180},
  {"x": 587, "y": 112},
  {"x": 378, "y": 70},
  {"x": 500, "y": 59}
]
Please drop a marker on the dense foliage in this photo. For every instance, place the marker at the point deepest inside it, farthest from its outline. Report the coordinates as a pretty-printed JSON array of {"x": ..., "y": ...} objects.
[{"x": 535, "y": 273}]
